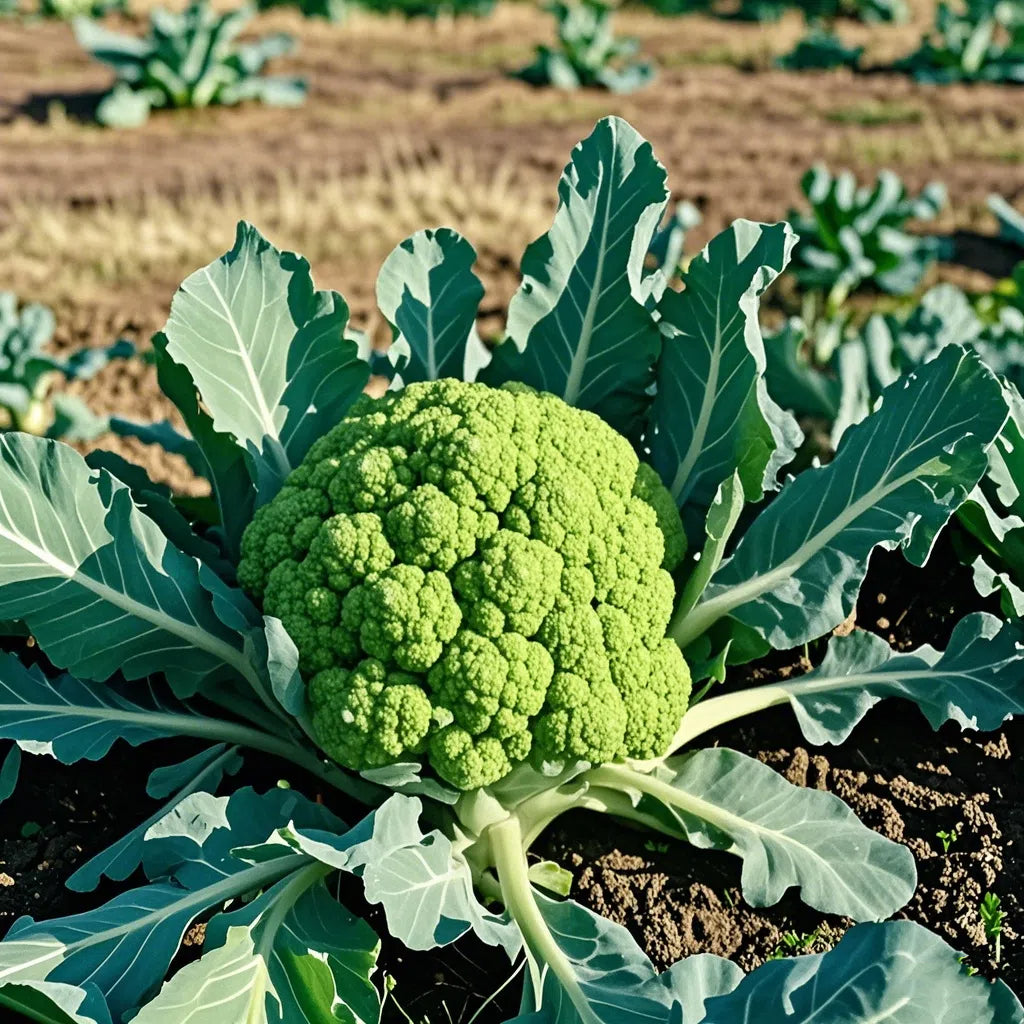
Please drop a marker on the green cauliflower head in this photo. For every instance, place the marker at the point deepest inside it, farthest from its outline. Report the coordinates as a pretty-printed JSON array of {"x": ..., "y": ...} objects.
[{"x": 479, "y": 576}]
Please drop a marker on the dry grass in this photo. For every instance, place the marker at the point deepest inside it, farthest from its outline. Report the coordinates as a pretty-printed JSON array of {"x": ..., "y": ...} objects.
[{"x": 345, "y": 226}]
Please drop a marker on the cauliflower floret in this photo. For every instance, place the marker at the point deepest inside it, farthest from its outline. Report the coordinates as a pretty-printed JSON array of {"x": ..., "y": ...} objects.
[{"x": 477, "y": 576}]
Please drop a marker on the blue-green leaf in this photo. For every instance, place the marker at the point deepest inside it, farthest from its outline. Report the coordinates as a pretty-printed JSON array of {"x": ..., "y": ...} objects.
[
  {"x": 228, "y": 985},
  {"x": 610, "y": 980},
  {"x": 429, "y": 294},
  {"x": 786, "y": 835},
  {"x": 977, "y": 682},
  {"x": 577, "y": 326},
  {"x": 894, "y": 482},
  {"x": 96, "y": 581},
  {"x": 49, "y": 1002},
  {"x": 321, "y": 958},
  {"x": 9, "y": 772},
  {"x": 118, "y": 861},
  {"x": 897, "y": 971},
  {"x": 266, "y": 351},
  {"x": 712, "y": 415}
]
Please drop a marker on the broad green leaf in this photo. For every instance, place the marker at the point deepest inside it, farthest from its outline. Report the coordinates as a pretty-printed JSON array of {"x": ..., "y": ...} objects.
[
  {"x": 320, "y": 957},
  {"x": 9, "y": 772},
  {"x": 721, "y": 521},
  {"x": 104, "y": 947},
  {"x": 74, "y": 720},
  {"x": 994, "y": 514},
  {"x": 156, "y": 501},
  {"x": 96, "y": 580},
  {"x": 696, "y": 979},
  {"x": 424, "y": 885},
  {"x": 198, "y": 844},
  {"x": 118, "y": 861},
  {"x": 601, "y": 975},
  {"x": 124, "y": 947},
  {"x": 165, "y": 435},
  {"x": 429, "y": 294},
  {"x": 226, "y": 465},
  {"x": 227, "y": 985},
  {"x": 266, "y": 351},
  {"x": 52, "y": 1003},
  {"x": 895, "y": 972},
  {"x": 786, "y": 835},
  {"x": 977, "y": 682},
  {"x": 712, "y": 415},
  {"x": 894, "y": 482},
  {"x": 792, "y": 379},
  {"x": 170, "y": 779},
  {"x": 577, "y": 326}
]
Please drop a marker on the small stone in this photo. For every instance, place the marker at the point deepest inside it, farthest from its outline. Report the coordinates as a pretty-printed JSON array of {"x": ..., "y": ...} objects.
[
  {"x": 882, "y": 623},
  {"x": 5, "y": 880}
]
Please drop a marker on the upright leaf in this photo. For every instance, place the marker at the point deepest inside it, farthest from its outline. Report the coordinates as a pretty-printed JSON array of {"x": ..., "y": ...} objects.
[
  {"x": 429, "y": 294},
  {"x": 894, "y": 482},
  {"x": 577, "y": 326},
  {"x": 712, "y": 415},
  {"x": 96, "y": 581},
  {"x": 266, "y": 351}
]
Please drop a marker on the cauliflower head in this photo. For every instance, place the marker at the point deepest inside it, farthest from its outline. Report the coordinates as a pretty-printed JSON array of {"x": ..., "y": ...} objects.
[{"x": 479, "y": 576}]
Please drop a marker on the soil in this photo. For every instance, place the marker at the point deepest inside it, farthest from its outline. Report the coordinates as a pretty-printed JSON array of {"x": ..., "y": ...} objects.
[{"x": 735, "y": 136}]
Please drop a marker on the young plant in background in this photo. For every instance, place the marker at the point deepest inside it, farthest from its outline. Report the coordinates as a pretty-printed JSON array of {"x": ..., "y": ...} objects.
[
  {"x": 68, "y": 9},
  {"x": 772, "y": 10},
  {"x": 821, "y": 50},
  {"x": 29, "y": 375},
  {"x": 431, "y": 9},
  {"x": 469, "y": 606},
  {"x": 1011, "y": 221},
  {"x": 972, "y": 41},
  {"x": 188, "y": 59},
  {"x": 588, "y": 54},
  {"x": 854, "y": 236},
  {"x": 666, "y": 252},
  {"x": 329, "y": 10}
]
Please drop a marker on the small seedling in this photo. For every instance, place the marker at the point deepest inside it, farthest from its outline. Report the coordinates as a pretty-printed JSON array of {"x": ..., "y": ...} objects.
[
  {"x": 588, "y": 54},
  {"x": 187, "y": 59},
  {"x": 947, "y": 839},
  {"x": 654, "y": 847},
  {"x": 795, "y": 943},
  {"x": 971, "y": 971},
  {"x": 992, "y": 917}
]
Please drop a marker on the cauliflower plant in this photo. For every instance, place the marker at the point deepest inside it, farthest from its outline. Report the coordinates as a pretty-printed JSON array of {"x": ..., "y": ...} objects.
[{"x": 480, "y": 576}]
